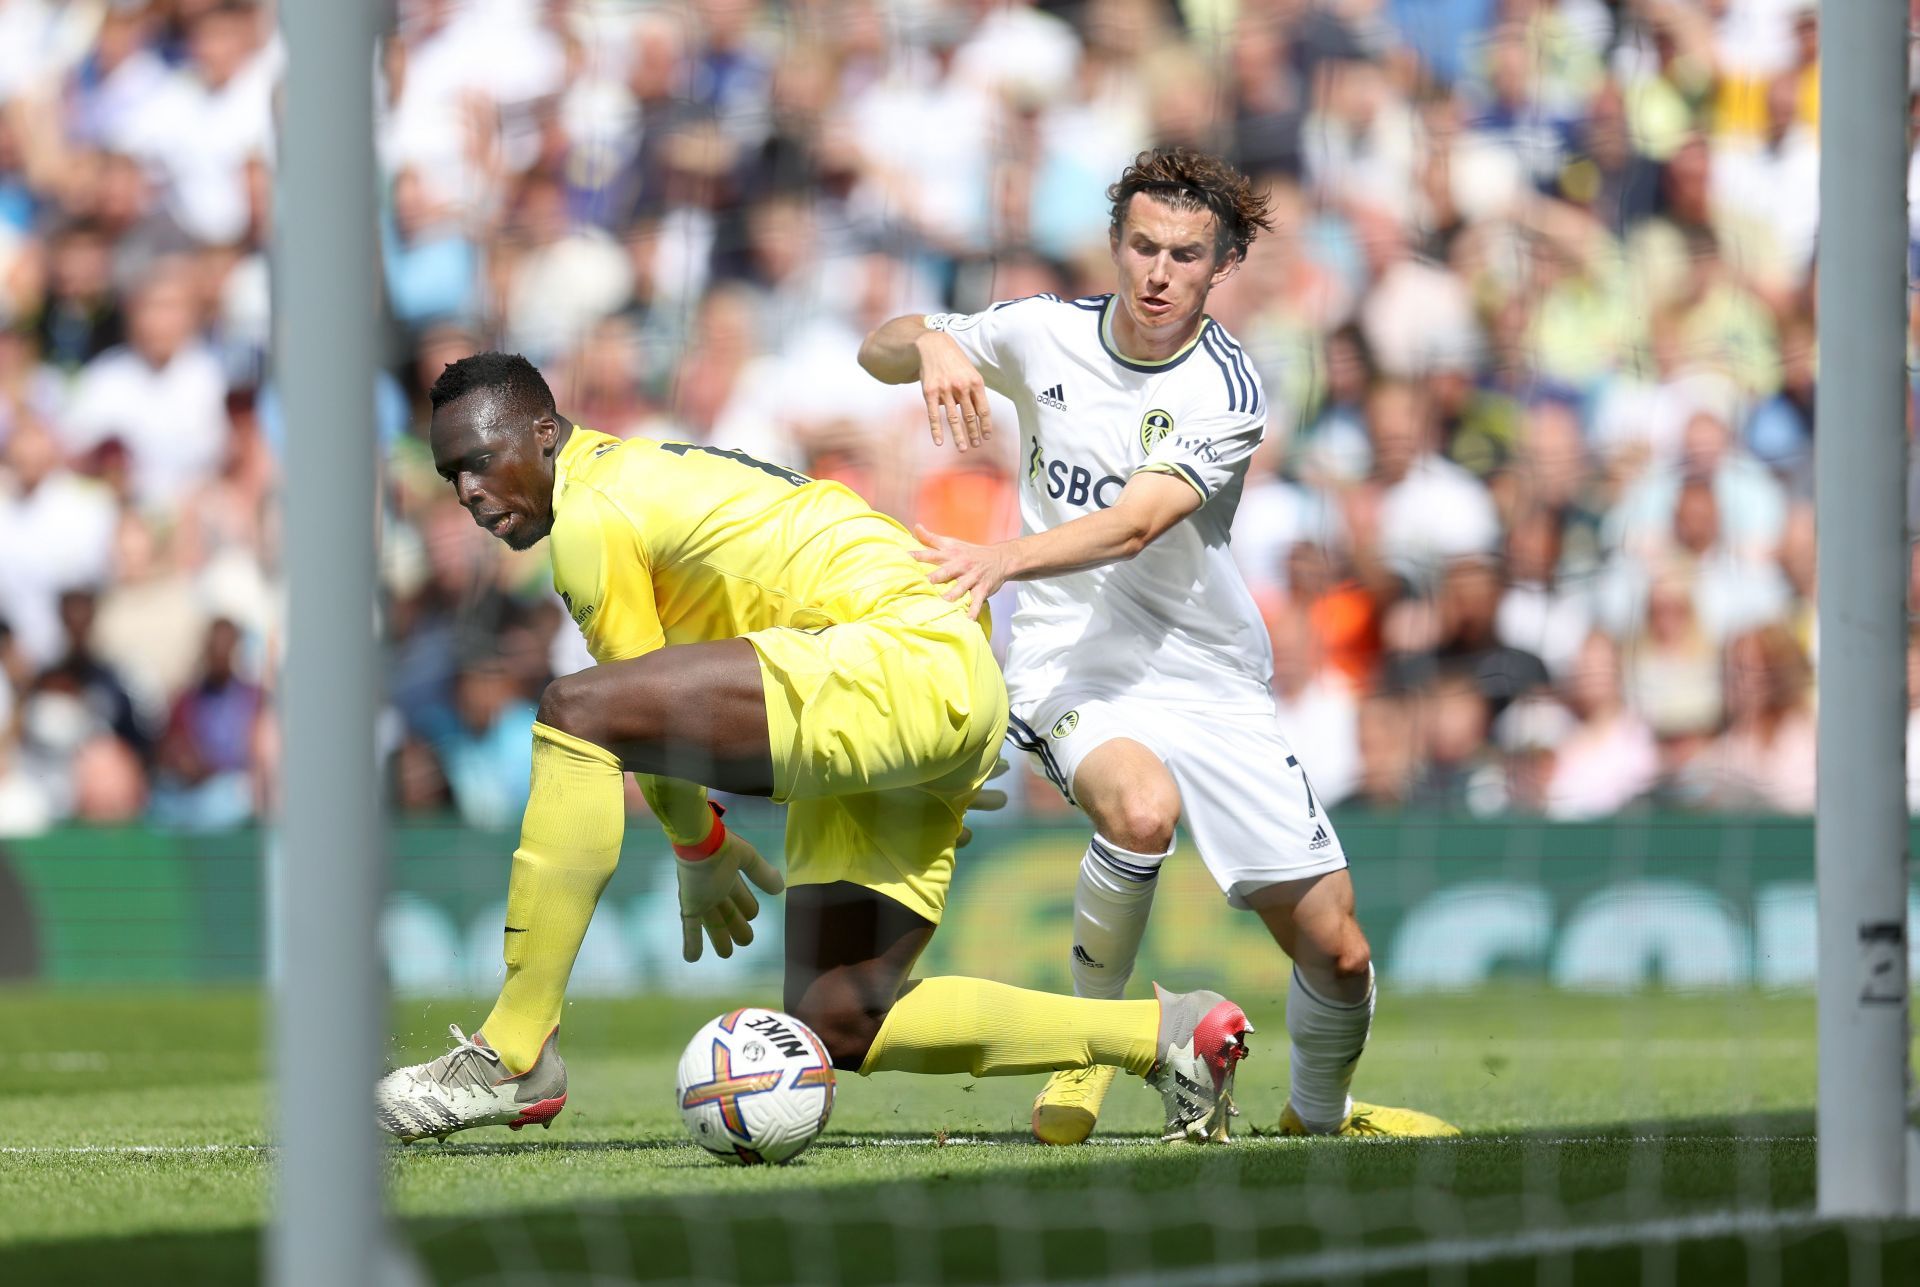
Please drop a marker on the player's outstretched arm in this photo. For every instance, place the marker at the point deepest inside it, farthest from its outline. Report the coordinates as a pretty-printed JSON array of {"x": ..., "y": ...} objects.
[
  {"x": 906, "y": 349},
  {"x": 1148, "y": 505},
  {"x": 891, "y": 353}
]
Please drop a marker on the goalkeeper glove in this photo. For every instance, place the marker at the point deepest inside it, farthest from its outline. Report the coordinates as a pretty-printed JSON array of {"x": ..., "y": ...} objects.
[{"x": 713, "y": 894}]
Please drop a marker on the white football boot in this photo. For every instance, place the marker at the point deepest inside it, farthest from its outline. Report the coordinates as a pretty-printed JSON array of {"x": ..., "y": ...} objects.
[
  {"x": 467, "y": 1087},
  {"x": 1203, "y": 1036}
]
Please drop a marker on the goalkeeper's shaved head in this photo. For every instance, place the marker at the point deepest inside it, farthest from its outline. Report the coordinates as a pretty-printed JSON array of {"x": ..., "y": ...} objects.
[
  {"x": 496, "y": 435},
  {"x": 509, "y": 377}
]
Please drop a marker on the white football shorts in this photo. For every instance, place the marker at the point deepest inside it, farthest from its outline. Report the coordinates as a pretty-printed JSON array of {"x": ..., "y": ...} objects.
[{"x": 1245, "y": 800}]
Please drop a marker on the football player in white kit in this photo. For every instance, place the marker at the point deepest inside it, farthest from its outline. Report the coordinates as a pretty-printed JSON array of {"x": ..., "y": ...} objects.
[{"x": 1139, "y": 667}]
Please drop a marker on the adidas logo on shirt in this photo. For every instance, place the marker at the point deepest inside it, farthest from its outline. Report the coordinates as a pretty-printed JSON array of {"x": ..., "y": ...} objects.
[
  {"x": 1320, "y": 838},
  {"x": 1085, "y": 957},
  {"x": 1056, "y": 397}
]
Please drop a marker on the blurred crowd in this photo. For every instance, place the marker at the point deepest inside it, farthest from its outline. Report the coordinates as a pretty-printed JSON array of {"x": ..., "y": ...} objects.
[{"x": 1532, "y": 526}]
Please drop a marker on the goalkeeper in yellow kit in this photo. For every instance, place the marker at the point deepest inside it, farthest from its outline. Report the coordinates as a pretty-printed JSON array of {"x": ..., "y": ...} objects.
[{"x": 763, "y": 633}]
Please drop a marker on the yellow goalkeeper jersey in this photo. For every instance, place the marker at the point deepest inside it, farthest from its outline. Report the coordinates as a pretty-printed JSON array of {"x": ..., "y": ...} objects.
[
  {"x": 881, "y": 729},
  {"x": 657, "y": 543}
]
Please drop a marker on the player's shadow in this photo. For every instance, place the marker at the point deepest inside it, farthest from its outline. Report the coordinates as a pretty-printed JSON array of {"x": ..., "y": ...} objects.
[
  {"x": 1115, "y": 1151},
  {"x": 1297, "y": 1186},
  {"x": 1747, "y": 1127},
  {"x": 1754, "y": 1127}
]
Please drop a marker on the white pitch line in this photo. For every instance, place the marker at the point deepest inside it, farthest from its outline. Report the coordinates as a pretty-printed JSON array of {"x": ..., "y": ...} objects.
[
  {"x": 1592, "y": 1047},
  {"x": 1322, "y": 1265},
  {"x": 972, "y": 1141},
  {"x": 160, "y": 1149},
  {"x": 1377, "y": 1141}
]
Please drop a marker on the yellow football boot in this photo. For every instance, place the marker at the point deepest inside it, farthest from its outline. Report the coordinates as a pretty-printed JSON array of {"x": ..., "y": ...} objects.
[
  {"x": 1371, "y": 1119},
  {"x": 1065, "y": 1110}
]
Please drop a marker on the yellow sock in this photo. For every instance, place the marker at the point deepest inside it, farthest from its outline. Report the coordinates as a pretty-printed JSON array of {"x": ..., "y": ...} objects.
[
  {"x": 569, "y": 846},
  {"x": 950, "y": 1025}
]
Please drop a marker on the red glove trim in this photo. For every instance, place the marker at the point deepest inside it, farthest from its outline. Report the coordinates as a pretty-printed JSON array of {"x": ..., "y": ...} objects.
[{"x": 715, "y": 838}]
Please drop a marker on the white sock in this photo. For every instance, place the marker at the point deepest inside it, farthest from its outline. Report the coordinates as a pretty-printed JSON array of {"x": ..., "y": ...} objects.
[
  {"x": 1110, "y": 906},
  {"x": 1327, "y": 1041}
]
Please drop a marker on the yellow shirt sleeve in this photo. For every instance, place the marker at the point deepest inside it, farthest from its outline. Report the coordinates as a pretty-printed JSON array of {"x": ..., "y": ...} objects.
[{"x": 604, "y": 574}]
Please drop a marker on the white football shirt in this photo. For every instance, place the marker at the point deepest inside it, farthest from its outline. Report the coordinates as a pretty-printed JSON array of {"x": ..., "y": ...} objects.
[{"x": 1176, "y": 621}]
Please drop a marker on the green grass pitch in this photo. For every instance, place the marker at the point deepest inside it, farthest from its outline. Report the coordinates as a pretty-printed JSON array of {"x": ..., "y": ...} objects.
[{"x": 1612, "y": 1140}]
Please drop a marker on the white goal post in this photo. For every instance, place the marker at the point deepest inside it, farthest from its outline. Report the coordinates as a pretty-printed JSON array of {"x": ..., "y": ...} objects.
[
  {"x": 1860, "y": 463},
  {"x": 329, "y": 1222}
]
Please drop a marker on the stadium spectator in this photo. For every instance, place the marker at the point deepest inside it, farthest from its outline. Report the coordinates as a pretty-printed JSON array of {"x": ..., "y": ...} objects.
[
  {"x": 1913, "y": 721},
  {"x": 1317, "y": 708},
  {"x": 1334, "y": 446},
  {"x": 1459, "y": 770},
  {"x": 1673, "y": 669},
  {"x": 1455, "y": 633},
  {"x": 1799, "y": 565},
  {"x": 80, "y": 672},
  {"x": 458, "y": 600},
  {"x": 109, "y": 784},
  {"x": 115, "y": 84},
  {"x": 1418, "y": 509},
  {"x": 1541, "y": 291},
  {"x": 1276, "y": 514},
  {"x": 1269, "y": 106},
  {"x": 1764, "y": 761},
  {"x": 231, "y": 513},
  {"x": 1390, "y": 752},
  {"x": 1539, "y": 612},
  {"x": 24, "y": 807},
  {"x": 1780, "y": 431},
  {"x": 558, "y": 277},
  {"x": 1773, "y": 181},
  {"x": 1749, "y": 505},
  {"x": 56, "y": 726},
  {"x": 1530, "y": 734},
  {"x": 80, "y": 316},
  {"x": 200, "y": 126},
  {"x": 29, "y": 388},
  {"x": 1608, "y": 176},
  {"x": 1344, "y": 615},
  {"x": 1732, "y": 590},
  {"x": 485, "y": 746},
  {"x": 151, "y": 623},
  {"x": 1511, "y": 114},
  {"x": 432, "y": 265},
  {"x": 162, "y": 395},
  {"x": 1609, "y": 758},
  {"x": 57, "y": 530},
  {"x": 604, "y": 379},
  {"x": 209, "y": 754}
]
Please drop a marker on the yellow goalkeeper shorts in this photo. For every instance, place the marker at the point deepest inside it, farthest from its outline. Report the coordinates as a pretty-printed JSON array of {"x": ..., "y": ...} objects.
[{"x": 882, "y": 731}]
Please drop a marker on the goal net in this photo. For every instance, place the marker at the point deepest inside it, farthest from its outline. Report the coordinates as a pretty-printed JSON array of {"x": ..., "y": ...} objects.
[{"x": 1529, "y": 533}]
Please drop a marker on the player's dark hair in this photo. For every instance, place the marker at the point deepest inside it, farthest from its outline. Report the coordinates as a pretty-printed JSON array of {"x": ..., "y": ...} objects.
[
  {"x": 1190, "y": 180},
  {"x": 508, "y": 374}
]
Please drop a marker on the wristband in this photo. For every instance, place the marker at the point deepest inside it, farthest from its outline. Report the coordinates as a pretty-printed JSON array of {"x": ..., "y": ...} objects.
[{"x": 715, "y": 838}]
